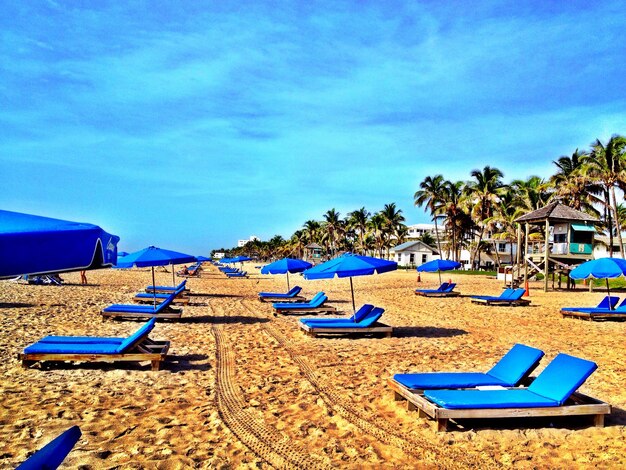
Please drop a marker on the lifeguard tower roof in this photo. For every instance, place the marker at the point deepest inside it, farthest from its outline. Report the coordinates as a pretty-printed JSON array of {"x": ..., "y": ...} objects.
[{"x": 555, "y": 211}]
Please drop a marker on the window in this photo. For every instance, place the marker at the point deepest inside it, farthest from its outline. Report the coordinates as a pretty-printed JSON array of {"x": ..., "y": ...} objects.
[
  {"x": 424, "y": 258},
  {"x": 501, "y": 247},
  {"x": 399, "y": 257},
  {"x": 412, "y": 258}
]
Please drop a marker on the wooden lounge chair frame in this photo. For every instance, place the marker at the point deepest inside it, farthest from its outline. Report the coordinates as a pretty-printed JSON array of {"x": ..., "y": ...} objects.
[
  {"x": 294, "y": 299},
  {"x": 592, "y": 316},
  {"x": 166, "y": 291},
  {"x": 576, "y": 405},
  {"x": 312, "y": 311},
  {"x": 168, "y": 313},
  {"x": 144, "y": 350},
  {"x": 438, "y": 294},
  {"x": 502, "y": 302},
  {"x": 376, "y": 328}
]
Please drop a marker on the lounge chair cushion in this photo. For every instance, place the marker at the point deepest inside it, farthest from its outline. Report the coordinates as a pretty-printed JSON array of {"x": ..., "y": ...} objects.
[
  {"x": 515, "y": 364},
  {"x": 315, "y": 302},
  {"x": 137, "y": 336},
  {"x": 562, "y": 377},
  {"x": 295, "y": 290},
  {"x": 507, "y": 372},
  {"x": 80, "y": 339},
  {"x": 471, "y": 399},
  {"x": 371, "y": 318},
  {"x": 438, "y": 380},
  {"x": 360, "y": 314},
  {"x": 170, "y": 288},
  {"x": 71, "y": 348}
]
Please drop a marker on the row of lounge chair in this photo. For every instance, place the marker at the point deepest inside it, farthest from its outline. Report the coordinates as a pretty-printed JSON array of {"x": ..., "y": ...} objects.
[
  {"x": 233, "y": 272},
  {"x": 446, "y": 396},
  {"x": 166, "y": 296},
  {"x": 509, "y": 297}
]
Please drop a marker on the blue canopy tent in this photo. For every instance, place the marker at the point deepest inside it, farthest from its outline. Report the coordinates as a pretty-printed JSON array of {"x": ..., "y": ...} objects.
[
  {"x": 286, "y": 266},
  {"x": 153, "y": 256},
  {"x": 31, "y": 244},
  {"x": 602, "y": 268},
  {"x": 349, "y": 265},
  {"x": 438, "y": 265}
]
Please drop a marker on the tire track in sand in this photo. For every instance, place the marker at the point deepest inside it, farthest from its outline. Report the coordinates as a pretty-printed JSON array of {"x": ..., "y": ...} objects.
[
  {"x": 380, "y": 429},
  {"x": 266, "y": 442}
]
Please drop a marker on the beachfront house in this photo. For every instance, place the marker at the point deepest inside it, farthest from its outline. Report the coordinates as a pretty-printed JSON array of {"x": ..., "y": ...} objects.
[
  {"x": 601, "y": 246},
  {"x": 413, "y": 253}
]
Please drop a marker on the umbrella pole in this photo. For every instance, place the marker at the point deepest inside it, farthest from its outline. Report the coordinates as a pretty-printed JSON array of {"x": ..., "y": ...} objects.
[
  {"x": 153, "y": 288},
  {"x": 439, "y": 272},
  {"x": 173, "y": 279},
  {"x": 609, "y": 292},
  {"x": 352, "y": 291},
  {"x": 287, "y": 280}
]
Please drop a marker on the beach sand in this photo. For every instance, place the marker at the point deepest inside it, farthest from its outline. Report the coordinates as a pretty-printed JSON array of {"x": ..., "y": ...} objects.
[{"x": 246, "y": 389}]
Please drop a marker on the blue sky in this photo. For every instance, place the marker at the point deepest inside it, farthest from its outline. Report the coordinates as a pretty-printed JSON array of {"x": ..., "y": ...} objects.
[{"x": 189, "y": 125}]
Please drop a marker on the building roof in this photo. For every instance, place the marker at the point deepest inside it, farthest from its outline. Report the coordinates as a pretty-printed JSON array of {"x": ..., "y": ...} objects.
[
  {"x": 555, "y": 211},
  {"x": 412, "y": 244},
  {"x": 313, "y": 246}
]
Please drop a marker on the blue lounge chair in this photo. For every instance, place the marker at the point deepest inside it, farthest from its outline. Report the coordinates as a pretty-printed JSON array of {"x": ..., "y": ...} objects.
[
  {"x": 162, "y": 310},
  {"x": 552, "y": 393},
  {"x": 168, "y": 289},
  {"x": 237, "y": 274},
  {"x": 510, "y": 297},
  {"x": 367, "y": 323},
  {"x": 597, "y": 313},
  {"x": 444, "y": 290},
  {"x": 359, "y": 315},
  {"x": 510, "y": 371},
  {"x": 137, "y": 347},
  {"x": 147, "y": 297},
  {"x": 315, "y": 305},
  {"x": 54, "y": 452},
  {"x": 290, "y": 296}
]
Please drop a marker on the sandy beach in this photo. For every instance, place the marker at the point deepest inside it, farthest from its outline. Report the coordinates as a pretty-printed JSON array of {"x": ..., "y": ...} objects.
[{"x": 244, "y": 389}]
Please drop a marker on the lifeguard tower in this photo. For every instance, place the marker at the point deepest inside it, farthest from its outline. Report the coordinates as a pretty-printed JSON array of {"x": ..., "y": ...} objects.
[
  {"x": 567, "y": 241},
  {"x": 313, "y": 253}
]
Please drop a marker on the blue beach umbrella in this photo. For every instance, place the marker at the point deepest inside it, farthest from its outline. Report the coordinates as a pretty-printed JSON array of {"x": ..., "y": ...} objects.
[
  {"x": 438, "y": 265},
  {"x": 602, "y": 268},
  {"x": 202, "y": 258},
  {"x": 286, "y": 266},
  {"x": 350, "y": 265},
  {"x": 31, "y": 244},
  {"x": 153, "y": 256}
]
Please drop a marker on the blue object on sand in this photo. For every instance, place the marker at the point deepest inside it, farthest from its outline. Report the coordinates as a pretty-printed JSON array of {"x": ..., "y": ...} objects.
[
  {"x": 31, "y": 244},
  {"x": 607, "y": 304},
  {"x": 85, "y": 345},
  {"x": 317, "y": 301},
  {"x": 359, "y": 315},
  {"x": 509, "y": 371},
  {"x": 52, "y": 454},
  {"x": 133, "y": 308},
  {"x": 364, "y": 322},
  {"x": 294, "y": 291},
  {"x": 551, "y": 388}
]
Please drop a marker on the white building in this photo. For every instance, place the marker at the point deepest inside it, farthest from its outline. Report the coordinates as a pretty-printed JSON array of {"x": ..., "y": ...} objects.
[
  {"x": 417, "y": 230},
  {"x": 242, "y": 243},
  {"x": 413, "y": 253},
  {"x": 601, "y": 246}
]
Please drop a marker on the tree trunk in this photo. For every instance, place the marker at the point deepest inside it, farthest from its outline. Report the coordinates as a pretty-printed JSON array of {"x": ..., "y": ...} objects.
[
  {"x": 617, "y": 224},
  {"x": 437, "y": 235},
  {"x": 495, "y": 247},
  {"x": 480, "y": 239},
  {"x": 609, "y": 219}
]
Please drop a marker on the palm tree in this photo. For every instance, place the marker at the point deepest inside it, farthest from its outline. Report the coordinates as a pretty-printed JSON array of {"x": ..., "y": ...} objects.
[
  {"x": 311, "y": 230},
  {"x": 456, "y": 220},
  {"x": 482, "y": 195},
  {"x": 606, "y": 164},
  {"x": 531, "y": 194},
  {"x": 333, "y": 225},
  {"x": 358, "y": 221},
  {"x": 393, "y": 221},
  {"x": 298, "y": 242},
  {"x": 377, "y": 227},
  {"x": 430, "y": 195}
]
